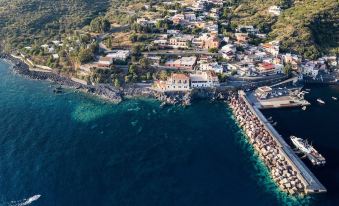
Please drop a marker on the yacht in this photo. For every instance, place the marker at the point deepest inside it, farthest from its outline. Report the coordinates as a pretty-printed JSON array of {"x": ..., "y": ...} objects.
[{"x": 312, "y": 154}]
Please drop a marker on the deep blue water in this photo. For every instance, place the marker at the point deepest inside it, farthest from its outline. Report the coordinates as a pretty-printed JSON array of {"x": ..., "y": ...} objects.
[
  {"x": 73, "y": 149},
  {"x": 320, "y": 125}
]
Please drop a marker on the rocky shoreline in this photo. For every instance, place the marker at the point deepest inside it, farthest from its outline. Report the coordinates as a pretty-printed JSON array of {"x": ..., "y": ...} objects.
[{"x": 113, "y": 94}]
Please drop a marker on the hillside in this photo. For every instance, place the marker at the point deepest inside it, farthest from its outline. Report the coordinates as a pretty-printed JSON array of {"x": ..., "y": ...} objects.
[
  {"x": 306, "y": 27},
  {"x": 22, "y": 21}
]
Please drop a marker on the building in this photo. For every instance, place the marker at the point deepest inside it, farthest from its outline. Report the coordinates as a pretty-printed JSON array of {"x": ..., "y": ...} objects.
[
  {"x": 228, "y": 48},
  {"x": 271, "y": 47},
  {"x": 241, "y": 37},
  {"x": 263, "y": 92},
  {"x": 247, "y": 29},
  {"x": 119, "y": 55},
  {"x": 105, "y": 61},
  {"x": 213, "y": 66},
  {"x": 269, "y": 69},
  {"x": 185, "y": 63},
  {"x": 178, "y": 82},
  {"x": 274, "y": 10},
  {"x": 181, "y": 41},
  {"x": 206, "y": 41},
  {"x": 178, "y": 19},
  {"x": 204, "y": 79},
  {"x": 190, "y": 16}
]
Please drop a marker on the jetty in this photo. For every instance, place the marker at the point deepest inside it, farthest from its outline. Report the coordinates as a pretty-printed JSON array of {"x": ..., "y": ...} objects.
[{"x": 286, "y": 168}]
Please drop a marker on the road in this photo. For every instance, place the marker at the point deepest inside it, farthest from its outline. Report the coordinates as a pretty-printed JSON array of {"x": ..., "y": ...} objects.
[{"x": 176, "y": 52}]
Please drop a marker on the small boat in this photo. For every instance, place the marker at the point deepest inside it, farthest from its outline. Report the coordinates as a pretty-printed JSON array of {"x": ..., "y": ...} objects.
[
  {"x": 334, "y": 98},
  {"x": 321, "y": 101},
  {"x": 275, "y": 124},
  {"x": 58, "y": 90},
  {"x": 304, "y": 108}
]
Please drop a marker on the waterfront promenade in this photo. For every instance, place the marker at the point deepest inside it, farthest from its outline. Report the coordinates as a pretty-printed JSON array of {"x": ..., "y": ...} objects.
[{"x": 310, "y": 182}]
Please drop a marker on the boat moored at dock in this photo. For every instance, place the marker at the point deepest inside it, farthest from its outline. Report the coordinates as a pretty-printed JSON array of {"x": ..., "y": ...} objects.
[
  {"x": 313, "y": 155},
  {"x": 287, "y": 170}
]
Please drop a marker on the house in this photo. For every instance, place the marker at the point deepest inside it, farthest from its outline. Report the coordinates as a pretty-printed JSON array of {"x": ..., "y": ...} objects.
[
  {"x": 292, "y": 59},
  {"x": 241, "y": 37},
  {"x": 119, "y": 55},
  {"x": 242, "y": 69},
  {"x": 263, "y": 92},
  {"x": 203, "y": 79},
  {"x": 206, "y": 41},
  {"x": 269, "y": 69},
  {"x": 55, "y": 56},
  {"x": 171, "y": 31},
  {"x": 160, "y": 42},
  {"x": 190, "y": 16},
  {"x": 105, "y": 61},
  {"x": 178, "y": 82},
  {"x": 181, "y": 41},
  {"x": 178, "y": 19},
  {"x": 271, "y": 47},
  {"x": 274, "y": 10},
  {"x": 247, "y": 29},
  {"x": 185, "y": 63},
  {"x": 312, "y": 68},
  {"x": 213, "y": 66},
  {"x": 229, "y": 48}
]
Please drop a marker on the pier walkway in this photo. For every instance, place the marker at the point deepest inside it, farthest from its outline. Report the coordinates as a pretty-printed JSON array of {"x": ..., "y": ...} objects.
[{"x": 312, "y": 184}]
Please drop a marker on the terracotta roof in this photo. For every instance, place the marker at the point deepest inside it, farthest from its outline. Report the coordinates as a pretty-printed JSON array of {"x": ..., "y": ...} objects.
[
  {"x": 180, "y": 76},
  {"x": 267, "y": 66}
]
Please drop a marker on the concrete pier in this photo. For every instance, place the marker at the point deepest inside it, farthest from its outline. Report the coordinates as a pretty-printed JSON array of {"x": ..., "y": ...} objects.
[{"x": 311, "y": 183}]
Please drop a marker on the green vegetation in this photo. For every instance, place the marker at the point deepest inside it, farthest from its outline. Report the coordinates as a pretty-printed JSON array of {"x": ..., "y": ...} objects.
[
  {"x": 100, "y": 25},
  {"x": 305, "y": 27},
  {"x": 23, "y": 22}
]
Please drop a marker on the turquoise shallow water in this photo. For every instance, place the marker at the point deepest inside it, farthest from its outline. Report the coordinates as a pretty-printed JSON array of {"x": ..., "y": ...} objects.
[{"x": 73, "y": 149}]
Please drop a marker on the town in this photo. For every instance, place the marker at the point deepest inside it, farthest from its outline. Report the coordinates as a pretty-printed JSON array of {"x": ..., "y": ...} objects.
[{"x": 176, "y": 46}]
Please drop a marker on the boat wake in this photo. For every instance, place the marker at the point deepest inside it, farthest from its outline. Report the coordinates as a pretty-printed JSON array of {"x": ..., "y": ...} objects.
[{"x": 24, "y": 202}]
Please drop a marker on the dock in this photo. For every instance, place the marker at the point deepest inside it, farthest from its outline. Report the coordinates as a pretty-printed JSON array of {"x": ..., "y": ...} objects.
[{"x": 310, "y": 182}]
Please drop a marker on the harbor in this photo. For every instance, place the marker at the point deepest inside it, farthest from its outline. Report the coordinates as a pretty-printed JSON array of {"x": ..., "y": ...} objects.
[
  {"x": 286, "y": 168},
  {"x": 271, "y": 97}
]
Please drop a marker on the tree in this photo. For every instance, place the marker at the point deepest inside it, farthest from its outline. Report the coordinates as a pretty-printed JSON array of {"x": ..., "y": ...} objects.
[
  {"x": 144, "y": 63},
  {"x": 132, "y": 69},
  {"x": 85, "y": 55},
  {"x": 128, "y": 78},
  {"x": 213, "y": 50},
  {"x": 287, "y": 69},
  {"x": 117, "y": 82},
  {"x": 100, "y": 24}
]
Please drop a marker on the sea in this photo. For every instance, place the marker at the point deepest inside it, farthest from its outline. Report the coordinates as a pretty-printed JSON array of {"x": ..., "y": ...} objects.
[{"x": 75, "y": 149}]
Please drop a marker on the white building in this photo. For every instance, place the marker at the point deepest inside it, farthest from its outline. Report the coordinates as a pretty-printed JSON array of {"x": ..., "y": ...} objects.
[
  {"x": 274, "y": 10},
  {"x": 214, "y": 66},
  {"x": 204, "y": 79},
  {"x": 310, "y": 69},
  {"x": 119, "y": 54}
]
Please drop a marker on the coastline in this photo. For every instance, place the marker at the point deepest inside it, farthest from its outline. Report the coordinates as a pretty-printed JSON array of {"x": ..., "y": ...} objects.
[{"x": 117, "y": 95}]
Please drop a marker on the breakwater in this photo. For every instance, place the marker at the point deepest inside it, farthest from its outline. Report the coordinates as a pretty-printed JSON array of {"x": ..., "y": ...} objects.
[{"x": 286, "y": 169}]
